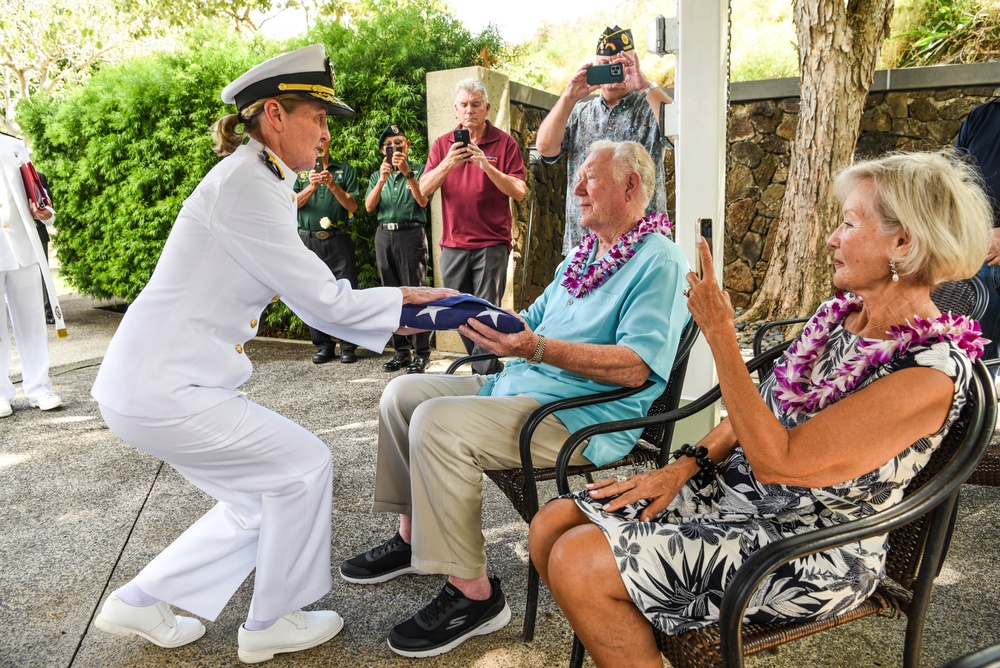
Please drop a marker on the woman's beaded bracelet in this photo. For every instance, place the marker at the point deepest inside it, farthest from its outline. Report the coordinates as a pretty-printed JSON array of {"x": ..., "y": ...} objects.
[{"x": 700, "y": 454}]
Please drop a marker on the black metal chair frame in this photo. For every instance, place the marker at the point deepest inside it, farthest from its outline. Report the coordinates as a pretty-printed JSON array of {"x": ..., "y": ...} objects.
[
  {"x": 660, "y": 444},
  {"x": 935, "y": 499}
]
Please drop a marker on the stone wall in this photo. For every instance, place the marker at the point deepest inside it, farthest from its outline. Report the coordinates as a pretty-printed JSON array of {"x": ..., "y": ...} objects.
[
  {"x": 916, "y": 109},
  {"x": 760, "y": 136}
]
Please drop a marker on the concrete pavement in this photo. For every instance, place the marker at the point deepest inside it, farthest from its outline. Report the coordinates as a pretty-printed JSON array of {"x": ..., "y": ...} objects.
[{"x": 81, "y": 512}]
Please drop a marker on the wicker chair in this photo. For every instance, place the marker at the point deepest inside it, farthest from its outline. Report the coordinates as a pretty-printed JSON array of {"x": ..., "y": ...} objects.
[
  {"x": 651, "y": 451},
  {"x": 918, "y": 528}
]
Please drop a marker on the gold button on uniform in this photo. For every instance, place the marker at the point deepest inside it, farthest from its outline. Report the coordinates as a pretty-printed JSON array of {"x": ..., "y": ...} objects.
[
  {"x": 253, "y": 323},
  {"x": 239, "y": 349},
  {"x": 570, "y": 301}
]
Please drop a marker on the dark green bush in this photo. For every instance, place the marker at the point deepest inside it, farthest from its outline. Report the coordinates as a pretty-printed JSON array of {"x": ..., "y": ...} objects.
[{"x": 124, "y": 151}]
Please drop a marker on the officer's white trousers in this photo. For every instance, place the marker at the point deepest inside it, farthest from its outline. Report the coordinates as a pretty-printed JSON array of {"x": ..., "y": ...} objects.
[
  {"x": 23, "y": 291},
  {"x": 273, "y": 481}
]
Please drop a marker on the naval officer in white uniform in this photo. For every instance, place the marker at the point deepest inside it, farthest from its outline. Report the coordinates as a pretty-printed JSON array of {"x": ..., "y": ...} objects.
[
  {"x": 21, "y": 284},
  {"x": 168, "y": 381}
]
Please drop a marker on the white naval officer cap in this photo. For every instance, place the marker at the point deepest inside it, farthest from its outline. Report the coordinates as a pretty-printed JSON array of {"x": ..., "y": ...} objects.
[{"x": 306, "y": 72}]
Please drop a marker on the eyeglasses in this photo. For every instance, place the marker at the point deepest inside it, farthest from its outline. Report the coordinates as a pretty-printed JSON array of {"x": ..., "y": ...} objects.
[{"x": 396, "y": 143}]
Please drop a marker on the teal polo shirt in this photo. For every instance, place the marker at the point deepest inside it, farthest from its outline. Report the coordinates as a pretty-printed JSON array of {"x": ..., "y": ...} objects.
[
  {"x": 323, "y": 204},
  {"x": 396, "y": 203},
  {"x": 640, "y": 307}
]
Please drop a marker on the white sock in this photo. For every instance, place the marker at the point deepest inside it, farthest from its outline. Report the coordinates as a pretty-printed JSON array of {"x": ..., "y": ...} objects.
[
  {"x": 130, "y": 594},
  {"x": 257, "y": 625}
]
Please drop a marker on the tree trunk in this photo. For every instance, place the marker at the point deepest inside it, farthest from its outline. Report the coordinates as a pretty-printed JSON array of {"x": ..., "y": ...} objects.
[{"x": 839, "y": 44}]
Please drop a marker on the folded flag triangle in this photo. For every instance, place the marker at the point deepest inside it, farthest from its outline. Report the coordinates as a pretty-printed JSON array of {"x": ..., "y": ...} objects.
[{"x": 450, "y": 312}]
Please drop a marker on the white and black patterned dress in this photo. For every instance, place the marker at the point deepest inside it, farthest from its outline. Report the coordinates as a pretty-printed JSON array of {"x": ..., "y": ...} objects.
[{"x": 676, "y": 567}]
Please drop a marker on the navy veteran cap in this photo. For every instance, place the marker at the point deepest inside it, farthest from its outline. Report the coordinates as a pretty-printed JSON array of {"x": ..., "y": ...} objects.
[
  {"x": 391, "y": 130},
  {"x": 306, "y": 72},
  {"x": 450, "y": 312},
  {"x": 614, "y": 41}
]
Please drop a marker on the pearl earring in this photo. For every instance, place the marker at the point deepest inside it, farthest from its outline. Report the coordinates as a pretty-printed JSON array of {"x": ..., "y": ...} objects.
[{"x": 895, "y": 274}]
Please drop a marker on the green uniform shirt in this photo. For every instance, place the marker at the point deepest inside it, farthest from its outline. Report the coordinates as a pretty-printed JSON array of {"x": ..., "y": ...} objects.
[
  {"x": 323, "y": 204},
  {"x": 396, "y": 204}
]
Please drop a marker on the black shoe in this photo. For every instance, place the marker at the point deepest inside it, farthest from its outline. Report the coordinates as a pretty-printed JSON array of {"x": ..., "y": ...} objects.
[
  {"x": 323, "y": 355},
  {"x": 417, "y": 365},
  {"x": 448, "y": 621},
  {"x": 379, "y": 564},
  {"x": 398, "y": 361},
  {"x": 348, "y": 356}
]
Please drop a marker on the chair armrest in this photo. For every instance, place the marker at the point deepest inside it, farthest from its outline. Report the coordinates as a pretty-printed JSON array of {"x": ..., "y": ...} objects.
[
  {"x": 758, "y": 337},
  {"x": 543, "y": 411},
  {"x": 578, "y": 437},
  {"x": 938, "y": 494},
  {"x": 469, "y": 359}
]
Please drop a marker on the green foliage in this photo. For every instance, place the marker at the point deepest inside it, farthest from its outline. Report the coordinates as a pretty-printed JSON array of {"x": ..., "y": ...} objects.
[
  {"x": 950, "y": 31},
  {"x": 123, "y": 152}
]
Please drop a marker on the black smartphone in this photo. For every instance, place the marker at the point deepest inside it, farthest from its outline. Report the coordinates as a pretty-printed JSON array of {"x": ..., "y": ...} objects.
[
  {"x": 462, "y": 135},
  {"x": 705, "y": 230},
  {"x": 318, "y": 167},
  {"x": 605, "y": 74},
  {"x": 388, "y": 155}
]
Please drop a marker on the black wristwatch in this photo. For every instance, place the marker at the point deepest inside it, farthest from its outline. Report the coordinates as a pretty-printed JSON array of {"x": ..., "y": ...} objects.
[{"x": 411, "y": 175}]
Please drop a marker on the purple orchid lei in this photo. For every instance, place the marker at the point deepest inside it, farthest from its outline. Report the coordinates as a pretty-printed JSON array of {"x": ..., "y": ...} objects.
[
  {"x": 582, "y": 279},
  {"x": 797, "y": 393}
]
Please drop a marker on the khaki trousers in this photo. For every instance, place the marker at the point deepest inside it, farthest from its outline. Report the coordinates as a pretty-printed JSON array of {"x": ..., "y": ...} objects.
[{"x": 436, "y": 437}]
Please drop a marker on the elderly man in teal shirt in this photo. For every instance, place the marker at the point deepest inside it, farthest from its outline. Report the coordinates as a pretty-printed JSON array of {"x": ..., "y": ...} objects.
[{"x": 612, "y": 317}]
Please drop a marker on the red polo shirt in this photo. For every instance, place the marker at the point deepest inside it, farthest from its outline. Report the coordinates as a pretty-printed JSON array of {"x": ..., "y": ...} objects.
[{"x": 476, "y": 213}]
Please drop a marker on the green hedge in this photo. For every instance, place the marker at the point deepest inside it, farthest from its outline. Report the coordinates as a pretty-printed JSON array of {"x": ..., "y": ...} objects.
[{"x": 123, "y": 152}]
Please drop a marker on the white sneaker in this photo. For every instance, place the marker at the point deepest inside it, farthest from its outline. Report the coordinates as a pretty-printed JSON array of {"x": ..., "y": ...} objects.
[
  {"x": 293, "y": 632},
  {"x": 156, "y": 623},
  {"x": 5, "y": 408},
  {"x": 47, "y": 401}
]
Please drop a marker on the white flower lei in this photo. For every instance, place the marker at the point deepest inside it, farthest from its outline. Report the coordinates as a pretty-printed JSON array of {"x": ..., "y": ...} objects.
[{"x": 794, "y": 388}]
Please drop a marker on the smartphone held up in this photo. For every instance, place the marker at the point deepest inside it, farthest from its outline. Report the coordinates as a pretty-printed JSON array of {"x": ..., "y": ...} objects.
[
  {"x": 605, "y": 74},
  {"x": 705, "y": 230},
  {"x": 462, "y": 135},
  {"x": 388, "y": 156}
]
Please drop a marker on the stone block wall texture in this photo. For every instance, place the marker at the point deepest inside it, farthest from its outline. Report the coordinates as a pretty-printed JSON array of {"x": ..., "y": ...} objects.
[
  {"x": 761, "y": 131},
  {"x": 760, "y": 137}
]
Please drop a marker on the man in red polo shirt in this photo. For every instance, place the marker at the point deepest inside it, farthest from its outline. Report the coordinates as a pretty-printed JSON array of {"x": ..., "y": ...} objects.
[{"x": 476, "y": 181}]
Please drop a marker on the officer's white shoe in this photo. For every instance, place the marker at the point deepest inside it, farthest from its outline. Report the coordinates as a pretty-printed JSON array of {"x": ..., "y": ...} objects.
[
  {"x": 5, "y": 408},
  {"x": 293, "y": 632},
  {"x": 156, "y": 623},
  {"x": 47, "y": 401}
]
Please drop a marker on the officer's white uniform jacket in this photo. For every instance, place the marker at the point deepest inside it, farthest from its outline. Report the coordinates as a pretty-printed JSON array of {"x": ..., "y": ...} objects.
[
  {"x": 233, "y": 250},
  {"x": 17, "y": 227}
]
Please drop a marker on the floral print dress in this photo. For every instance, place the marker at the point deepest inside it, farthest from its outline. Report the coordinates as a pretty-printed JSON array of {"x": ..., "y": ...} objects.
[{"x": 677, "y": 566}]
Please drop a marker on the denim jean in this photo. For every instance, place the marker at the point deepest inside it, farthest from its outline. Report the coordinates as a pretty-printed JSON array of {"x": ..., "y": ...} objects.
[{"x": 990, "y": 322}]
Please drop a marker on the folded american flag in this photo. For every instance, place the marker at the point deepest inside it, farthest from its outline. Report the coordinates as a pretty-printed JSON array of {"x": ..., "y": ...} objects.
[{"x": 450, "y": 312}]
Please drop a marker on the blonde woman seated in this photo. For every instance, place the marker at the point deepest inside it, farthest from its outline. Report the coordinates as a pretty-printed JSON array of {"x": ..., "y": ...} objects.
[{"x": 854, "y": 410}]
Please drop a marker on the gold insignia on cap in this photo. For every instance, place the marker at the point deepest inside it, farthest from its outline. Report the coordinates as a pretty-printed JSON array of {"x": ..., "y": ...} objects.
[
  {"x": 395, "y": 128},
  {"x": 615, "y": 40}
]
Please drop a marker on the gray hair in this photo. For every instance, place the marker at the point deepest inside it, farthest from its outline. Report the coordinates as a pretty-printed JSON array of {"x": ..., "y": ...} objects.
[
  {"x": 628, "y": 157},
  {"x": 938, "y": 201},
  {"x": 473, "y": 85}
]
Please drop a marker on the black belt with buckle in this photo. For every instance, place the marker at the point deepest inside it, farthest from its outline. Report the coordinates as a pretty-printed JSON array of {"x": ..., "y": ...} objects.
[
  {"x": 401, "y": 226},
  {"x": 321, "y": 234}
]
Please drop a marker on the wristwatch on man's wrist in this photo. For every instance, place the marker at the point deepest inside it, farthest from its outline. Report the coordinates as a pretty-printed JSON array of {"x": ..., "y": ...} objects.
[
  {"x": 651, "y": 86},
  {"x": 411, "y": 175}
]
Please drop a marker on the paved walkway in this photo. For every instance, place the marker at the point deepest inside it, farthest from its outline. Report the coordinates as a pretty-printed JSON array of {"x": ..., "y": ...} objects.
[{"x": 81, "y": 512}]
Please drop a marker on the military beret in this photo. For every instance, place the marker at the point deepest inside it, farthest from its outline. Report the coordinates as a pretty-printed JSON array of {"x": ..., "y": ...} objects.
[
  {"x": 306, "y": 72},
  {"x": 390, "y": 131}
]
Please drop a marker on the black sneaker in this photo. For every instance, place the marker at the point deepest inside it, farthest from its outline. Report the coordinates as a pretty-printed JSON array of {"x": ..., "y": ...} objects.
[
  {"x": 379, "y": 564},
  {"x": 448, "y": 621}
]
